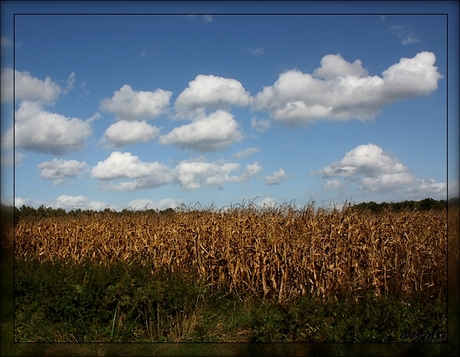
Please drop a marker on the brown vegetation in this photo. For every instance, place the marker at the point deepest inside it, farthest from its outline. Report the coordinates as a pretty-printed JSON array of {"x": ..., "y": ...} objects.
[{"x": 280, "y": 253}]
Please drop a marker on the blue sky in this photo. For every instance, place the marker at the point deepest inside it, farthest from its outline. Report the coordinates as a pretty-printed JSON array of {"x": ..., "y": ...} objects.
[{"x": 132, "y": 110}]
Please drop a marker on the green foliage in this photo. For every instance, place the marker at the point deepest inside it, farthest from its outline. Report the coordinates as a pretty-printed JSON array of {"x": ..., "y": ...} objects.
[
  {"x": 44, "y": 212},
  {"x": 58, "y": 302},
  {"x": 74, "y": 298},
  {"x": 427, "y": 204}
]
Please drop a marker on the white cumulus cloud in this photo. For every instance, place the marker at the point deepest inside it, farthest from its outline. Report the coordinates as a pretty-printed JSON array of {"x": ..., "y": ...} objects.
[
  {"x": 276, "y": 177},
  {"x": 386, "y": 182},
  {"x": 209, "y": 91},
  {"x": 429, "y": 188},
  {"x": 45, "y": 132},
  {"x": 128, "y": 104},
  {"x": 205, "y": 134},
  {"x": 68, "y": 202},
  {"x": 59, "y": 169},
  {"x": 368, "y": 160},
  {"x": 340, "y": 90},
  {"x": 27, "y": 87},
  {"x": 19, "y": 202},
  {"x": 193, "y": 174},
  {"x": 125, "y": 165},
  {"x": 189, "y": 174},
  {"x": 411, "y": 77},
  {"x": 378, "y": 172},
  {"x": 126, "y": 132}
]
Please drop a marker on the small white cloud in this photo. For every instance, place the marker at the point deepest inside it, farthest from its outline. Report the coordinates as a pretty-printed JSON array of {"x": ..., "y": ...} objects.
[
  {"x": 19, "y": 202},
  {"x": 428, "y": 188},
  {"x": 85, "y": 89},
  {"x": 45, "y": 132},
  {"x": 69, "y": 202},
  {"x": 396, "y": 27},
  {"x": 267, "y": 202},
  {"x": 208, "y": 91},
  {"x": 246, "y": 152},
  {"x": 402, "y": 32},
  {"x": 250, "y": 170},
  {"x": 70, "y": 82},
  {"x": 128, "y": 104},
  {"x": 276, "y": 177},
  {"x": 61, "y": 169},
  {"x": 260, "y": 125},
  {"x": 125, "y": 132},
  {"x": 170, "y": 203},
  {"x": 382, "y": 173},
  {"x": 193, "y": 174},
  {"x": 206, "y": 18},
  {"x": 125, "y": 165},
  {"x": 332, "y": 185},
  {"x": 256, "y": 50},
  {"x": 66, "y": 202},
  {"x": 27, "y": 87},
  {"x": 408, "y": 40},
  {"x": 386, "y": 182},
  {"x": 145, "y": 54},
  {"x": 97, "y": 205},
  {"x": 410, "y": 77},
  {"x": 368, "y": 160},
  {"x": 205, "y": 134},
  {"x": 141, "y": 204}
]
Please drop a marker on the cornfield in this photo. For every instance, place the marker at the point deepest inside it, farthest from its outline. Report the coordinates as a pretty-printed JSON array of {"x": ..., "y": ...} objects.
[{"x": 278, "y": 253}]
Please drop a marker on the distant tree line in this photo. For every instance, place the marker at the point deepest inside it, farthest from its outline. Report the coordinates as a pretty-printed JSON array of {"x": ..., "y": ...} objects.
[
  {"x": 44, "y": 212},
  {"x": 426, "y": 204}
]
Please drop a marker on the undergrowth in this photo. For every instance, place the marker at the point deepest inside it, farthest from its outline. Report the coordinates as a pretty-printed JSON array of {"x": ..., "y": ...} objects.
[{"x": 57, "y": 302}]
